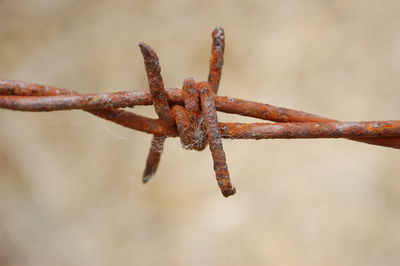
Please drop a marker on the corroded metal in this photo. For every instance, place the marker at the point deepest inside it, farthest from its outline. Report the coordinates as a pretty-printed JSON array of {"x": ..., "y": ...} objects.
[
  {"x": 190, "y": 113},
  {"x": 153, "y": 158},
  {"x": 308, "y": 130},
  {"x": 156, "y": 84},
  {"x": 217, "y": 58},
  {"x": 161, "y": 106},
  {"x": 214, "y": 139},
  {"x": 190, "y": 94},
  {"x": 100, "y": 101}
]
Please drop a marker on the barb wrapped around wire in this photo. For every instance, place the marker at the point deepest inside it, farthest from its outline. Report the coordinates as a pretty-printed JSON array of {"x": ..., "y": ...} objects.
[{"x": 191, "y": 114}]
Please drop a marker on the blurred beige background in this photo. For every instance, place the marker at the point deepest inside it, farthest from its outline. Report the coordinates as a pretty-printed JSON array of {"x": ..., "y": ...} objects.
[{"x": 70, "y": 190}]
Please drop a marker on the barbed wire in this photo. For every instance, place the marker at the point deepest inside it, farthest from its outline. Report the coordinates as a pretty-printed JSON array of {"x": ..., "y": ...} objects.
[{"x": 191, "y": 114}]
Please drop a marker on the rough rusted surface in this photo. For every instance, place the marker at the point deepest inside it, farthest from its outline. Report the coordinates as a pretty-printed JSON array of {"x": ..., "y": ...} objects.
[
  {"x": 182, "y": 125},
  {"x": 161, "y": 106},
  {"x": 13, "y": 87},
  {"x": 307, "y": 130},
  {"x": 214, "y": 139},
  {"x": 153, "y": 158},
  {"x": 142, "y": 97},
  {"x": 136, "y": 122},
  {"x": 217, "y": 58},
  {"x": 71, "y": 100},
  {"x": 190, "y": 113},
  {"x": 121, "y": 117},
  {"x": 190, "y": 94},
  {"x": 156, "y": 84}
]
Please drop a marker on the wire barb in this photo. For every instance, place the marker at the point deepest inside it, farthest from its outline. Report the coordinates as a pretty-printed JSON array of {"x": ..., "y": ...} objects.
[
  {"x": 153, "y": 158},
  {"x": 191, "y": 114},
  {"x": 217, "y": 58},
  {"x": 214, "y": 139},
  {"x": 161, "y": 106}
]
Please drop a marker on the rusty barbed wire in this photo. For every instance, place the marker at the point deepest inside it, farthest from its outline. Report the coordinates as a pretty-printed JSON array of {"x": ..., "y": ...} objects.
[{"x": 191, "y": 114}]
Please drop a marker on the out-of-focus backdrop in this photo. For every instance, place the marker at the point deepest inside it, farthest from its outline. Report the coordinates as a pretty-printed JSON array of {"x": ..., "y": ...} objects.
[{"x": 70, "y": 189}]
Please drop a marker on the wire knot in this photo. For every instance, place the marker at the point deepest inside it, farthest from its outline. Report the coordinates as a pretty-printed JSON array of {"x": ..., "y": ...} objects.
[
  {"x": 189, "y": 119},
  {"x": 196, "y": 122}
]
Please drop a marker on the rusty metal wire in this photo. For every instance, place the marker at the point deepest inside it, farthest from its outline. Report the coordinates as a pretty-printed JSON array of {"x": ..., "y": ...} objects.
[{"x": 190, "y": 113}]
